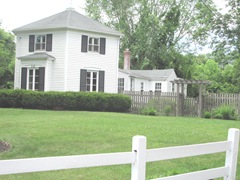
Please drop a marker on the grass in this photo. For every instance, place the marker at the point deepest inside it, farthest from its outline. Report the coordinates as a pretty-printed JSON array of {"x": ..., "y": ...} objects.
[{"x": 35, "y": 133}]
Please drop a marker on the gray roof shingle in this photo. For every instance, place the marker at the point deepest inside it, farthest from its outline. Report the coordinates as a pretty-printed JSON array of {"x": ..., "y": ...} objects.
[{"x": 70, "y": 19}]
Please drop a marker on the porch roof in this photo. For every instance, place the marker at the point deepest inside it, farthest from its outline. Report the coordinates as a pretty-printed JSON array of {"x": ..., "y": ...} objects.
[{"x": 37, "y": 56}]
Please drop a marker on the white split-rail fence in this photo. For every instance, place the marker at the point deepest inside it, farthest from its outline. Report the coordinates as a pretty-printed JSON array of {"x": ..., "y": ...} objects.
[{"x": 138, "y": 157}]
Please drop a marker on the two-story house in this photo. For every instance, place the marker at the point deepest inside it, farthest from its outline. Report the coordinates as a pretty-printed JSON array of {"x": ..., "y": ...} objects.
[{"x": 67, "y": 52}]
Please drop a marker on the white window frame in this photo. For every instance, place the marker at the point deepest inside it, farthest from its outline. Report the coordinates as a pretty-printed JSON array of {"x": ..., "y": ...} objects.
[
  {"x": 132, "y": 84},
  {"x": 33, "y": 79},
  {"x": 120, "y": 84},
  {"x": 91, "y": 82},
  {"x": 93, "y": 45},
  {"x": 158, "y": 87},
  {"x": 41, "y": 43}
]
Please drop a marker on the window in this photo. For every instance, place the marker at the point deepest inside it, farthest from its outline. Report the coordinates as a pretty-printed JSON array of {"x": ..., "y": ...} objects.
[
  {"x": 120, "y": 84},
  {"x": 40, "y": 43},
  {"x": 33, "y": 79},
  {"x": 91, "y": 83},
  {"x": 158, "y": 87},
  {"x": 93, "y": 44},
  {"x": 132, "y": 85},
  {"x": 173, "y": 87},
  {"x": 142, "y": 86},
  {"x": 92, "y": 80}
]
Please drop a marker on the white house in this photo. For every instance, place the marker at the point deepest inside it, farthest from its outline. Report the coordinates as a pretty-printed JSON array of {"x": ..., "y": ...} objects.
[
  {"x": 146, "y": 80},
  {"x": 67, "y": 52}
]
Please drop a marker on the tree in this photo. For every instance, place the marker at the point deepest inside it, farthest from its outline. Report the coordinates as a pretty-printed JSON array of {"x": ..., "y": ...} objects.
[
  {"x": 157, "y": 32},
  {"x": 226, "y": 42},
  {"x": 7, "y": 57}
]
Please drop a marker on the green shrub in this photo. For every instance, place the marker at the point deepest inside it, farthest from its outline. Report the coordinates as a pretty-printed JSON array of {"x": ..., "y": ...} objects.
[
  {"x": 149, "y": 111},
  {"x": 167, "y": 110},
  {"x": 64, "y": 100},
  {"x": 224, "y": 112},
  {"x": 207, "y": 115}
]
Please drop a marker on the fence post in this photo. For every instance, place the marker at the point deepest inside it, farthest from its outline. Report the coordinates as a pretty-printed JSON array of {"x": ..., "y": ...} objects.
[
  {"x": 139, "y": 166},
  {"x": 232, "y": 154}
]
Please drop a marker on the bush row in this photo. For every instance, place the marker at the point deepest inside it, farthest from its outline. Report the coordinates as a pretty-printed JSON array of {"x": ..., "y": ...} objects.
[{"x": 82, "y": 101}]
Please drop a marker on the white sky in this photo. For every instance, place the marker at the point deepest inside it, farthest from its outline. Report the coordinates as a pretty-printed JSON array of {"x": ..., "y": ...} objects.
[{"x": 16, "y": 13}]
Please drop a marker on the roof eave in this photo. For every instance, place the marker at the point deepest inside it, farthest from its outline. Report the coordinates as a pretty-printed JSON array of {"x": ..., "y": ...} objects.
[{"x": 16, "y": 31}]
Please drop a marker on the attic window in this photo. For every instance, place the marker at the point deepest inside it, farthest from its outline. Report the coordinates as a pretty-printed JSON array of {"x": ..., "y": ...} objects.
[
  {"x": 40, "y": 43},
  {"x": 93, "y": 44}
]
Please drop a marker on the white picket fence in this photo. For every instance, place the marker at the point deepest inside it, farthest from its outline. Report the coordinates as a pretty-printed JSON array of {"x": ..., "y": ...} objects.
[{"x": 138, "y": 158}]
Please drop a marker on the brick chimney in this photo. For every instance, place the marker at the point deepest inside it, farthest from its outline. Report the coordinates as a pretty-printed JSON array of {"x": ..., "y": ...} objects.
[{"x": 127, "y": 59}]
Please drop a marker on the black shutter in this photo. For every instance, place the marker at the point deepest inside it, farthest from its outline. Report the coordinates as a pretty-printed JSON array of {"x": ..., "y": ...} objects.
[
  {"x": 83, "y": 80},
  {"x": 101, "y": 81},
  {"x": 24, "y": 78},
  {"x": 84, "y": 43},
  {"x": 102, "y": 45},
  {"x": 31, "y": 43},
  {"x": 41, "y": 78},
  {"x": 49, "y": 42}
]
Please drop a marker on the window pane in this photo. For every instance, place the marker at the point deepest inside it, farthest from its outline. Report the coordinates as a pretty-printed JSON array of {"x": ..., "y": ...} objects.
[
  {"x": 30, "y": 86},
  {"x": 94, "y": 81},
  {"x": 36, "y": 72},
  {"x": 90, "y": 47},
  {"x": 94, "y": 75},
  {"x": 88, "y": 74},
  {"x": 36, "y": 86},
  {"x": 96, "y": 48},
  {"x": 88, "y": 87},
  {"x": 43, "y": 46},
  {"x": 90, "y": 40},
  {"x": 37, "y": 46},
  {"x": 88, "y": 81},
  {"x": 38, "y": 39},
  {"x": 36, "y": 79},
  {"x": 30, "y": 72},
  {"x": 95, "y": 41},
  {"x": 43, "y": 39},
  {"x": 94, "y": 88}
]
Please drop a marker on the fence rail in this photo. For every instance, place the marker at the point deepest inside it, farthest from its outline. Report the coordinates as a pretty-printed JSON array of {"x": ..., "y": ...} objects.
[{"x": 138, "y": 157}]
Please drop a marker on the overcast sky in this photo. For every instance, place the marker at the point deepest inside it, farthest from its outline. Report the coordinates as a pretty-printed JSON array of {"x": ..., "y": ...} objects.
[{"x": 16, "y": 13}]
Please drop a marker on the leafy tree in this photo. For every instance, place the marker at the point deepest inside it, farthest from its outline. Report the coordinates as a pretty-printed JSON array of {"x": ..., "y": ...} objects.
[
  {"x": 226, "y": 42},
  {"x": 7, "y": 56},
  {"x": 156, "y": 32}
]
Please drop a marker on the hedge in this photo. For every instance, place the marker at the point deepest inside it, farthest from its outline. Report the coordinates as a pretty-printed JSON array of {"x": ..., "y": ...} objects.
[{"x": 81, "y": 101}]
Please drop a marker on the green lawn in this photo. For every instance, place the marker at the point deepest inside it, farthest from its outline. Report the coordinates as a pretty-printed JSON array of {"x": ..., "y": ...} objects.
[{"x": 35, "y": 133}]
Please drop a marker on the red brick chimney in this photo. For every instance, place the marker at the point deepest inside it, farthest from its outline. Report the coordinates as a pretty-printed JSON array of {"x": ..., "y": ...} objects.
[{"x": 127, "y": 59}]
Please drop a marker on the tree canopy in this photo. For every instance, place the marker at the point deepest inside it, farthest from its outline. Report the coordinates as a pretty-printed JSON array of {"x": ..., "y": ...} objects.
[{"x": 7, "y": 57}]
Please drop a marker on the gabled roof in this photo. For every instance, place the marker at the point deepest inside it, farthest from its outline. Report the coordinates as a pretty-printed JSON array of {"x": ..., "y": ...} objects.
[
  {"x": 155, "y": 75},
  {"x": 70, "y": 19}
]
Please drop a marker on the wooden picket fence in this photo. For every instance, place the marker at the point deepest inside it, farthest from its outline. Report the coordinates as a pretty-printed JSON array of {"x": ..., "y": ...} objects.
[
  {"x": 163, "y": 101},
  {"x": 166, "y": 103},
  {"x": 214, "y": 100},
  {"x": 138, "y": 158}
]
